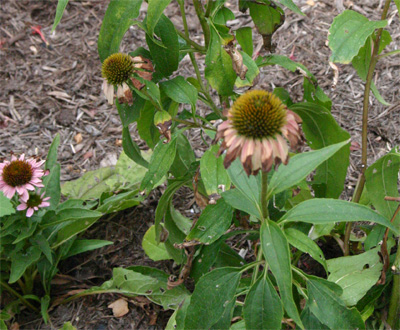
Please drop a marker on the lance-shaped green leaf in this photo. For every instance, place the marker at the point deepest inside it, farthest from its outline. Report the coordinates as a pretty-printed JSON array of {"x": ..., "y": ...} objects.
[
  {"x": 166, "y": 57},
  {"x": 299, "y": 167},
  {"x": 356, "y": 274},
  {"x": 84, "y": 245},
  {"x": 211, "y": 298},
  {"x": 249, "y": 186},
  {"x": 59, "y": 13},
  {"x": 6, "y": 207},
  {"x": 179, "y": 90},
  {"x": 329, "y": 308},
  {"x": 74, "y": 228},
  {"x": 160, "y": 163},
  {"x": 291, "y": 5},
  {"x": 363, "y": 59},
  {"x": 322, "y": 130},
  {"x": 325, "y": 210},
  {"x": 213, "y": 172},
  {"x": 213, "y": 223},
  {"x": 348, "y": 33},
  {"x": 164, "y": 204},
  {"x": 117, "y": 20},
  {"x": 286, "y": 63},
  {"x": 21, "y": 260},
  {"x": 266, "y": 18},
  {"x": 244, "y": 36},
  {"x": 219, "y": 70},
  {"x": 155, "y": 251},
  {"x": 276, "y": 252},
  {"x": 381, "y": 180},
  {"x": 131, "y": 149},
  {"x": 238, "y": 200},
  {"x": 302, "y": 242},
  {"x": 154, "y": 13},
  {"x": 263, "y": 308},
  {"x": 146, "y": 128}
]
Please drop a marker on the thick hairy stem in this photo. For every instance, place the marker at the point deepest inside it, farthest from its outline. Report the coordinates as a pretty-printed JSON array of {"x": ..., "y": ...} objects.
[{"x": 364, "y": 139}]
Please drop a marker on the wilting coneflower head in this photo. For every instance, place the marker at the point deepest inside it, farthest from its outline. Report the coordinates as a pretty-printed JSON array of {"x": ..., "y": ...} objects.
[
  {"x": 33, "y": 203},
  {"x": 20, "y": 175},
  {"x": 118, "y": 69},
  {"x": 257, "y": 125}
]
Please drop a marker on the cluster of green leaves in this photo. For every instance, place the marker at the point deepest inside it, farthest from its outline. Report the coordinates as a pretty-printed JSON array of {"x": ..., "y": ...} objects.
[
  {"x": 36, "y": 245},
  {"x": 302, "y": 197}
]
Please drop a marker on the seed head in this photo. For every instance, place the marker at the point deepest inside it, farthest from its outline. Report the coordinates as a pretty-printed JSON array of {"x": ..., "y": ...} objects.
[
  {"x": 117, "y": 68},
  {"x": 258, "y": 114}
]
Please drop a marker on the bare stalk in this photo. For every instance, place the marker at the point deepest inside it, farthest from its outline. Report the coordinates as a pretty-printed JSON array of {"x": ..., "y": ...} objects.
[{"x": 364, "y": 139}]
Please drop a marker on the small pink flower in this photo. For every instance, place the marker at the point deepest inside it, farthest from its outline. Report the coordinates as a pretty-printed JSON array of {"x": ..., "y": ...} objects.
[
  {"x": 20, "y": 175},
  {"x": 33, "y": 203}
]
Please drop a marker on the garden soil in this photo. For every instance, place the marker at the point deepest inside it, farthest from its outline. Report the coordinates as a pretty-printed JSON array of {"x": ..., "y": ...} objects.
[{"x": 54, "y": 86}]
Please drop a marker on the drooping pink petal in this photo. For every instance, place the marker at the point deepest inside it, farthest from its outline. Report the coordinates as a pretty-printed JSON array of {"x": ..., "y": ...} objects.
[
  {"x": 29, "y": 213},
  {"x": 22, "y": 207}
]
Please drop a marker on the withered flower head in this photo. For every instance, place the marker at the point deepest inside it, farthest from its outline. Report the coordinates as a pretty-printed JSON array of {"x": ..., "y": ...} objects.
[
  {"x": 117, "y": 68},
  {"x": 256, "y": 128}
]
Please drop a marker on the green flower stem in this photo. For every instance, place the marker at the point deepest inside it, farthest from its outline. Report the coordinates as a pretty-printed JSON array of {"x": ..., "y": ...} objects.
[
  {"x": 264, "y": 195},
  {"x": 29, "y": 278},
  {"x": 204, "y": 90},
  {"x": 185, "y": 26},
  {"x": 251, "y": 265},
  {"x": 191, "y": 124},
  {"x": 195, "y": 45},
  {"x": 364, "y": 139},
  {"x": 394, "y": 305},
  {"x": 17, "y": 295},
  {"x": 208, "y": 8},
  {"x": 393, "y": 52},
  {"x": 201, "y": 15},
  {"x": 264, "y": 218},
  {"x": 257, "y": 268}
]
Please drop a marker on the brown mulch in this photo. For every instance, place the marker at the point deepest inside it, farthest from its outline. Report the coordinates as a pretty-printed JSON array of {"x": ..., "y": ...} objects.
[{"x": 57, "y": 89}]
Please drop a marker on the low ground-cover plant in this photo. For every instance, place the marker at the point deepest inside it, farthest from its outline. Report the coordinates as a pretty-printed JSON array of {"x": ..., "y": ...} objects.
[
  {"x": 247, "y": 183},
  {"x": 39, "y": 229}
]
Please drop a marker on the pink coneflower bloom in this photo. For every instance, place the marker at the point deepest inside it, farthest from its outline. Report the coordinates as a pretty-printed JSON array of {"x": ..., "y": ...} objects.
[
  {"x": 33, "y": 203},
  {"x": 20, "y": 175},
  {"x": 256, "y": 130}
]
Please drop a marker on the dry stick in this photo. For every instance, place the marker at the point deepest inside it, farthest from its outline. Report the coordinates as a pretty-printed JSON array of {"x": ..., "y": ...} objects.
[{"x": 361, "y": 178}]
